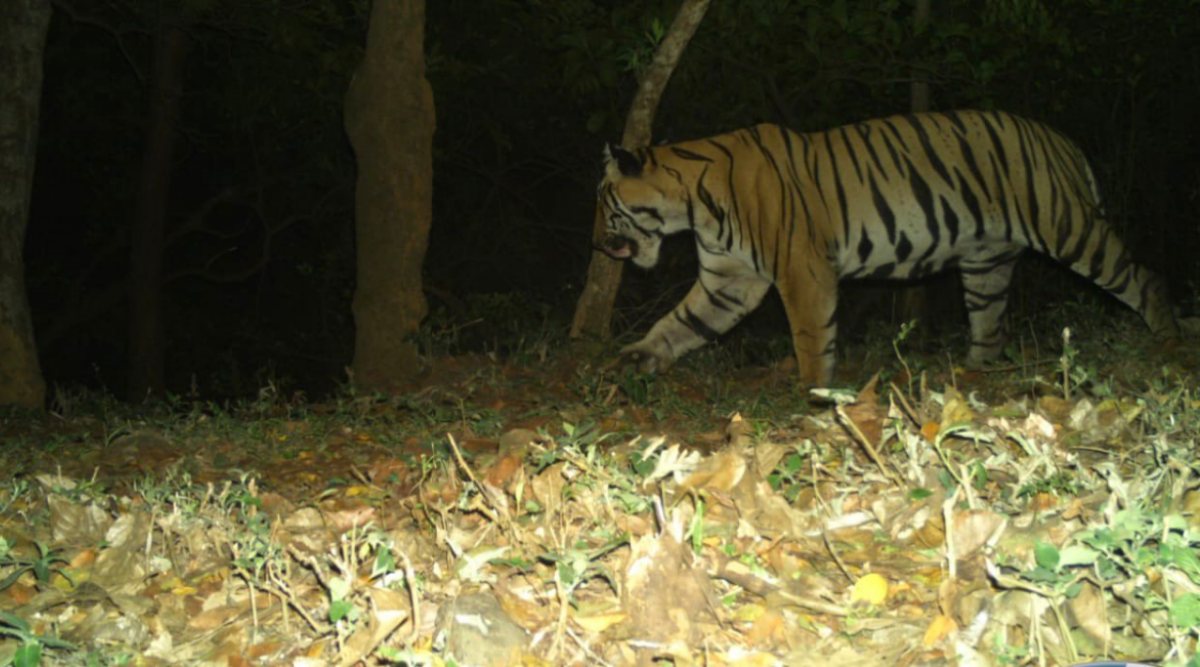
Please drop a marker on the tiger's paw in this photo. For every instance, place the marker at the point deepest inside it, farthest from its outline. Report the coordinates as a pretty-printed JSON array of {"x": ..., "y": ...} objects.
[{"x": 643, "y": 357}]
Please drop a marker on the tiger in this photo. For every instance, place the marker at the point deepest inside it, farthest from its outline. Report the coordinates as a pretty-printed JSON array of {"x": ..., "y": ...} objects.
[{"x": 900, "y": 197}]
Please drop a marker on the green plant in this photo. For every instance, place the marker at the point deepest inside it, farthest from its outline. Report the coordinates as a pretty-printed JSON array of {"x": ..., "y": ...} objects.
[
  {"x": 29, "y": 654},
  {"x": 1061, "y": 482},
  {"x": 43, "y": 567},
  {"x": 788, "y": 475},
  {"x": 902, "y": 335},
  {"x": 576, "y": 564},
  {"x": 17, "y": 489}
]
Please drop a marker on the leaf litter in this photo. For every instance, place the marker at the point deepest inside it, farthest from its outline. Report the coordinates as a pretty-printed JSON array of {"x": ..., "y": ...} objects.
[{"x": 496, "y": 523}]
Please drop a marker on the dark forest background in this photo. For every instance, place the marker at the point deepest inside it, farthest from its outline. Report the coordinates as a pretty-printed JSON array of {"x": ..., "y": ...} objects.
[{"x": 260, "y": 244}]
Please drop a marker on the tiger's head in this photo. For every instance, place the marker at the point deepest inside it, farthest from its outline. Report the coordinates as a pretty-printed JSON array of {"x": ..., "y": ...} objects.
[{"x": 641, "y": 201}]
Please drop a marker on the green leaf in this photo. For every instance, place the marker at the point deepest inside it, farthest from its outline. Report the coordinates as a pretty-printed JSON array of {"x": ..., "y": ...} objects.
[
  {"x": 1046, "y": 556},
  {"x": 1041, "y": 575},
  {"x": 567, "y": 574},
  {"x": 12, "y": 577},
  {"x": 920, "y": 493},
  {"x": 385, "y": 562},
  {"x": 1185, "y": 611},
  {"x": 340, "y": 609},
  {"x": 28, "y": 655},
  {"x": 338, "y": 588},
  {"x": 14, "y": 621},
  {"x": 1077, "y": 554}
]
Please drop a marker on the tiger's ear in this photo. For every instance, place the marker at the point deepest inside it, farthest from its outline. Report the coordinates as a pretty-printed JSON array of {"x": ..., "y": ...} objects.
[{"x": 617, "y": 160}]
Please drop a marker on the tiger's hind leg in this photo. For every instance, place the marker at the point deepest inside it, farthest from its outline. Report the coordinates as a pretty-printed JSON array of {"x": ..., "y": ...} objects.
[{"x": 986, "y": 279}]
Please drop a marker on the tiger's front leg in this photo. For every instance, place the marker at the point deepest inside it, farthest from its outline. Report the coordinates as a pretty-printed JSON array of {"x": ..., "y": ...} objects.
[
  {"x": 714, "y": 304},
  {"x": 810, "y": 293}
]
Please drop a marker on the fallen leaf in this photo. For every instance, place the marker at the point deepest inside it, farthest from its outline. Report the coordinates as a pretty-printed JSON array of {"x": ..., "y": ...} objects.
[
  {"x": 767, "y": 629},
  {"x": 1088, "y": 611},
  {"x": 929, "y": 430},
  {"x": 955, "y": 409},
  {"x": 717, "y": 472},
  {"x": 503, "y": 469},
  {"x": 972, "y": 529},
  {"x": 938, "y": 630},
  {"x": 213, "y": 618},
  {"x": 599, "y": 623},
  {"x": 738, "y": 431},
  {"x": 866, "y": 412}
]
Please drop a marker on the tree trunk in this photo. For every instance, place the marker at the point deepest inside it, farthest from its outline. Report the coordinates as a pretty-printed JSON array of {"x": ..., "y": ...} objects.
[
  {"x": 146, "y": 346},
  {"x": 593, "y": 312},
  {"x": 23, "y": 25},
  {"x": 920, "y": 85},
  {"x": 912, "y": 301},
  {"x": 390, "y": 122}
]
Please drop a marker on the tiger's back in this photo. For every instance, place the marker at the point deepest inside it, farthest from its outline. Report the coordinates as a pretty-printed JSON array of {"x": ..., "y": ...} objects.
[{"x": 898, "y": 197}]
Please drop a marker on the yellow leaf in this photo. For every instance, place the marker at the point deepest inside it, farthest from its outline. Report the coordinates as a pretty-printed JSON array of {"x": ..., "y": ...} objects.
[
  {"x": 929, "y": 430},
  {"x": 749, "y": 612},
  {"x": 600, "y": 622},
  {"x": 955, "y": 409},
  {"x": 871, "y": 588},
  {"x": 939, "y": 629},
  {"x": 742, "y": 658}
]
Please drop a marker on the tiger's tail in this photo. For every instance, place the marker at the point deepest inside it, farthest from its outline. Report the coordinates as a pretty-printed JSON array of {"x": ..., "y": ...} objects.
[{"x": 1094, "y": 250}]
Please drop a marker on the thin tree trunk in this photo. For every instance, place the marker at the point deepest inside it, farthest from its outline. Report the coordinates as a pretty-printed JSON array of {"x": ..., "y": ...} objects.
[
  {"x": 390, "y": 122},
  {"x": 146, "y": 345},
  {"x": 912, "y": 301},
  {"x": 23, "y": 25},
  {"x": 920, "y": 85},
  {"x": 593, "y": 312}
]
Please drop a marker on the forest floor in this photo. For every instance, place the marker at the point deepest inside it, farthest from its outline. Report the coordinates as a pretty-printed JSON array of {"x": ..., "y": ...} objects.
[{"x": 544, "y": 510}]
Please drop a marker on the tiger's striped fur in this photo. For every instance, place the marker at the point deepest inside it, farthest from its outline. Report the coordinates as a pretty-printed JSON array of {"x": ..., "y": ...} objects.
[{"x": 898, "y": 197}]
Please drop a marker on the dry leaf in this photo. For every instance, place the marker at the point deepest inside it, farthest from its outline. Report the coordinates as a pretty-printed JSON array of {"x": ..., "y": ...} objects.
[
  {"x": 767, "y": 629},
  {"x": 719, "y": 472},
  {"x": 503, "y": 469},
  {"x": 955, "y": 409},
  {"x": 938, "y": 630},
  {"x": 600, "y": 622},
  {"x": 212, "y": 618},
  {"x": 738, "y": 431},
  {"x": 866, "y": 412},
  {"x": 972, "y": 529},
  {"x": 929, "y": 430},
  {"x": 1087, "y": 610},
  {"x": 518, "y": 441},
  {"x": 666, "y": 595}
]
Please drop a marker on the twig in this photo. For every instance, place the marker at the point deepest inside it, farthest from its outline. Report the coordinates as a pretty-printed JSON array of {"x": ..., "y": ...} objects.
[
  {"x": 501, "y": 514},
  {"x": 850, "y": 426},
  {"x": 1012, "y": 367},
  {"x": 905, "y": 406},
  {"x": 410, "y": 580},
  {"x": 736, "y": 573},
  {"x": 837, "y": 559},
  {"x": 561, "y": 625}
]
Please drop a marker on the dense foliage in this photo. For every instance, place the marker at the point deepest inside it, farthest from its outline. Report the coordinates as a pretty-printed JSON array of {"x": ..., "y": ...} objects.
[{"x": 260, "y": 261}]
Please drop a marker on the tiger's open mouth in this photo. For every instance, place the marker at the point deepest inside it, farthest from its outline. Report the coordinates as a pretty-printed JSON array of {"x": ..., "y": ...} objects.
[{"x": 618, "y": 247}]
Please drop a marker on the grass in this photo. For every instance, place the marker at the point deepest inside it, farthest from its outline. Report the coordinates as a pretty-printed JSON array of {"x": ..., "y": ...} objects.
[{"x": 602, "y": 507}]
